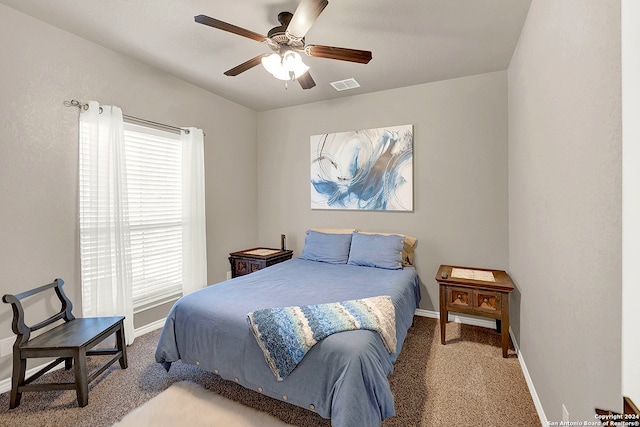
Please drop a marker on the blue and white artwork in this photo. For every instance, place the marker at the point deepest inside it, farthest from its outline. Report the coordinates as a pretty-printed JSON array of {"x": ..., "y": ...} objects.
[{"x": 364, "y": 170}]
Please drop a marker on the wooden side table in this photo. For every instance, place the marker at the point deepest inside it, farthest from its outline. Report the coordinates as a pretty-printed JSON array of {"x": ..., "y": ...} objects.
[
  {"x": 250, "y": 260},
  {"x": 475, "y": 291}
]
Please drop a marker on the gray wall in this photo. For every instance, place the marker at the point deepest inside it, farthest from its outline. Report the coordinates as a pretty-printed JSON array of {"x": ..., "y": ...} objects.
[
  {"x": 631, "y": 197},
  {"x": 565, "y": 203},
  {"x": 41, "y": 67},
  {"x": 546, "y": 205},
  {"x": 460, "y": 171}
]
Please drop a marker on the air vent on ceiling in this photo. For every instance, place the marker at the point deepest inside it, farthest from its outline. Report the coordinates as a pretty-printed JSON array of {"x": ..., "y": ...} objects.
[{"x": 345, "y": 84}]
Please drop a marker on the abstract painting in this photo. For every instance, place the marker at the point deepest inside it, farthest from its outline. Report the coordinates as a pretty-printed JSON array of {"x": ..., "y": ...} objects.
[{"x": 363, "y": 170}]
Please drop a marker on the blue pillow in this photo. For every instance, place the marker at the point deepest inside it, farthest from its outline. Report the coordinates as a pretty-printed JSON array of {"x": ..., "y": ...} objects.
[
  {"x": 376, "y": 250},
  {"x": 324, "y": 247}
]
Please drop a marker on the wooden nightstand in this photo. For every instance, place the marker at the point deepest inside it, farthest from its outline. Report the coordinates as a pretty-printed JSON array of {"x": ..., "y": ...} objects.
[
  {"x": 476, "y": 291},
  {"x": 250, "y": 260}
]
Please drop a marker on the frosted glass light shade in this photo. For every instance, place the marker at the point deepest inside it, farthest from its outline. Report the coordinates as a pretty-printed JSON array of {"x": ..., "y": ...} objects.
[{"x": 287, "y": 67}]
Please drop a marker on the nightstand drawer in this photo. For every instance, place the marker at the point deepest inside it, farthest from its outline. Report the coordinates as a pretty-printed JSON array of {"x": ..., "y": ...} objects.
[
  {"x": 245, "y": 266},
  {"x": 459, "y": 298},
  {"x": 487, "y": 301}
]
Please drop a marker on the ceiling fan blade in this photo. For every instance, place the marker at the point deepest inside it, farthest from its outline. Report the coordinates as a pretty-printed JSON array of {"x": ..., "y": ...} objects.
[
  {"x": 306, "y": 81},
  {"x": 340, "y": 53},
  {"x": 215, "y": 23},
  {"x": 305, "y": 15},
  {"x": 245, "y": 65}
]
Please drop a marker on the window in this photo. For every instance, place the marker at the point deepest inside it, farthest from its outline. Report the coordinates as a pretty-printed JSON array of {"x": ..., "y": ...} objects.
[
  {"x": 154, "y": 208},
  {"x": 154, "y": 183}
]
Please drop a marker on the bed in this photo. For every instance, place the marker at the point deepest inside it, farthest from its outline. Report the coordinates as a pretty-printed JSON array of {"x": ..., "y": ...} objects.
[{"x": 343, "y": 377}]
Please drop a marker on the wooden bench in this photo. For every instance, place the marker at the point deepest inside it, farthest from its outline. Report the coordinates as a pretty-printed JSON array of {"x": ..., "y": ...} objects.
[{"x": 70, "y": 342}]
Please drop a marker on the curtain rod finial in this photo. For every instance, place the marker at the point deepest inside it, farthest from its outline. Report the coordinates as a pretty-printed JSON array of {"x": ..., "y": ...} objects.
[{"x": 76, "y": 103}]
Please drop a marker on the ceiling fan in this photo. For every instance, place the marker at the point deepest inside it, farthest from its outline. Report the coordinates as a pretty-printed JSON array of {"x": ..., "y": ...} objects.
[{"x": 286, "y": 41}]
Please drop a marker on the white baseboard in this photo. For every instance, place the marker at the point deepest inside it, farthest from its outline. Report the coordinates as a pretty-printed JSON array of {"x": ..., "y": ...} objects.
[
  {"x": 458, "y": 318},
  {"x": 468, "y": 320},
  {"x": 5, "y": 384},
  {"x": 148, "y": 328},
  {"x": 534, "y": 395}
]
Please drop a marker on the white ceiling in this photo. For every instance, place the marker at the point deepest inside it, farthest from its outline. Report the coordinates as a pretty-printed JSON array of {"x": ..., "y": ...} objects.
[{"x": 413, "y": 41}]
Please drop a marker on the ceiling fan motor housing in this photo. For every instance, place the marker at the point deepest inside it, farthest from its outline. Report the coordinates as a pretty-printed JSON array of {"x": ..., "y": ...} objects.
[{"x": 281, "y": 38}]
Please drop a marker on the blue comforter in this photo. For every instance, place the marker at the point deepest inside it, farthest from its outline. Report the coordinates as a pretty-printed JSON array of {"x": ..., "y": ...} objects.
[{"x": 342, "y": 377}]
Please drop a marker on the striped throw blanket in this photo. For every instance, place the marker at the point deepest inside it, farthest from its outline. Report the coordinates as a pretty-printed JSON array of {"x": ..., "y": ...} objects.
[{"x": 286, "y": 334}]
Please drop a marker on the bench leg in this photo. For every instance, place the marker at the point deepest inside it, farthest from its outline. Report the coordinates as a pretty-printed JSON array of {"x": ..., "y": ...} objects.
[
  {"x": 122, "y": 346},
  {"x": 80, "y": 373},
  {"x": 17, "y": 379},
  {"x": 68, "y": 363}
]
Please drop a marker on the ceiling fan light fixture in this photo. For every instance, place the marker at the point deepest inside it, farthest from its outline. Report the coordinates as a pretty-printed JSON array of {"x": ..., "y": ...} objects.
[{"x": 286, "y": 67}]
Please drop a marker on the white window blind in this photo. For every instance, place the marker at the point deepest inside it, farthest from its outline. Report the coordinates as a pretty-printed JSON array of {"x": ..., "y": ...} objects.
[
  {"x": 154, "y": 182},
  {"x": 154, "y": 196}
]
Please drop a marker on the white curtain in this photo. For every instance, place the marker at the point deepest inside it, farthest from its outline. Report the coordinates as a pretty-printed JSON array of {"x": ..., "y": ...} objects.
[
  {"x": 194, "y": 242},
  {"x": 104, "y": 220}
]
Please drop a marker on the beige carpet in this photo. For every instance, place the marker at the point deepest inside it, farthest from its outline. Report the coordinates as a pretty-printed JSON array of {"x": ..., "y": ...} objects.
[
  {"x": 188, "y": 404},
  {"x": 464, "y": 383}
]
